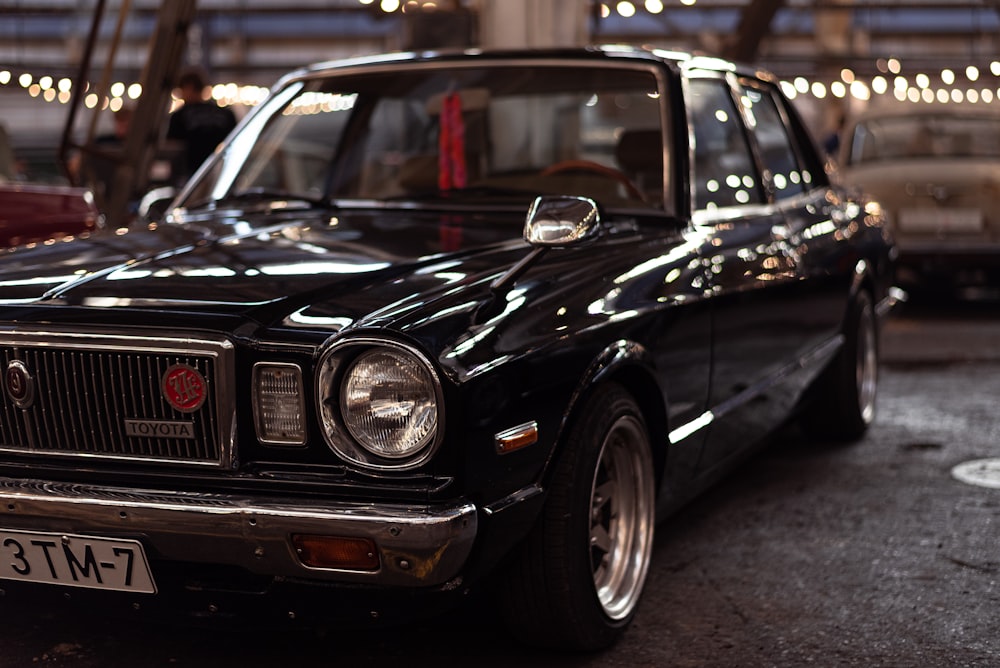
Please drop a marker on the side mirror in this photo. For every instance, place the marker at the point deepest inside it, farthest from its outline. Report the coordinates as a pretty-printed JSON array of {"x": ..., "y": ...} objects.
[
  {"x": 561, "y": 221},
  {"x": 553, "y": 221},
  {"x": 154, "y": 204}
]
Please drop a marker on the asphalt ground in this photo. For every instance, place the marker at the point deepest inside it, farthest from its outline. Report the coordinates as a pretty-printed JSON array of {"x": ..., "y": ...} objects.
[{"x": 872, "y": 554}]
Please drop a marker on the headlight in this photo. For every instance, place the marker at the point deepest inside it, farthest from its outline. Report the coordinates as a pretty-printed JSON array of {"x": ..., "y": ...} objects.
[
  {"x": 387, "y": 400},
  {"x": 380, "y": 408}
]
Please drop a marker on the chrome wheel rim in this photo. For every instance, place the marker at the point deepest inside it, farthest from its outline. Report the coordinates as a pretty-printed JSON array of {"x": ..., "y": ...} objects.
[
  {"x": 621, "y": 517},
  {"x": 867, "y": 365}
]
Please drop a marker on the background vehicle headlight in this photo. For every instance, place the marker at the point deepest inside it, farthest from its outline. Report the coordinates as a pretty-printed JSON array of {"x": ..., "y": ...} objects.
[{"x": 380, "y": 408}]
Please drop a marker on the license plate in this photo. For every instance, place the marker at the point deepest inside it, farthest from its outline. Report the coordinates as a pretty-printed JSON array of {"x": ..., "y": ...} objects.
[
  {"x": 75, "y": 561},
  {"x": 941, "y": 221}
]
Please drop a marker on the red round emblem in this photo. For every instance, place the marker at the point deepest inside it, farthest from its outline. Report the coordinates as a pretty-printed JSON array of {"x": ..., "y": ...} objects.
[{"x": 184, "y": 388}]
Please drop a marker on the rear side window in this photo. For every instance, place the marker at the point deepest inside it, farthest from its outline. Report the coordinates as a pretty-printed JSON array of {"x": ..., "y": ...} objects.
[
  {"x": 777, "y": 151},
  {"x": 723, "y": 169}
]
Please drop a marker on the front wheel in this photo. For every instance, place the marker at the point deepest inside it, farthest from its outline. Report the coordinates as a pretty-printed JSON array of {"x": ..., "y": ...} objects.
[{"x": 576, "y": 581}]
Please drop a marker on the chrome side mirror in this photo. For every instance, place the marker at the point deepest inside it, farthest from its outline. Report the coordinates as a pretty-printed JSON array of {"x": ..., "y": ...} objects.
[
  {"x": 561, "y": 221},
  {"x": 553, "y": 221}
]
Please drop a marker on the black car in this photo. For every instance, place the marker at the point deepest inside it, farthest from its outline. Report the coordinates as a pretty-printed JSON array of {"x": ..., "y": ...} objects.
[{"x": 427, "y": 323}]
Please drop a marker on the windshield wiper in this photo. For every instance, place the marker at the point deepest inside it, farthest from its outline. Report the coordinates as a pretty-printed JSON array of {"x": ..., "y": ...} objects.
[{"x": 277, "y": 199}]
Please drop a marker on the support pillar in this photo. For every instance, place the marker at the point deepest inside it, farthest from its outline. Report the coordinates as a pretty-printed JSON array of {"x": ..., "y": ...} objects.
[
  {"x": 534, "y": 23},
  {"x": 835, "y": 44}
]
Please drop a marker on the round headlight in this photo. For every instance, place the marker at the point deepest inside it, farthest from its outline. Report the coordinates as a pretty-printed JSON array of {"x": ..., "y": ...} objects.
[{"x": 388, "y": 403}]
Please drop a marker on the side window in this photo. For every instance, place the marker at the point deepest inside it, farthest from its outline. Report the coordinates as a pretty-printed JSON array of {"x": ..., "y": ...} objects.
[
  {"x": 723, "y": 168},
  {"x": 776, "y": 148}
]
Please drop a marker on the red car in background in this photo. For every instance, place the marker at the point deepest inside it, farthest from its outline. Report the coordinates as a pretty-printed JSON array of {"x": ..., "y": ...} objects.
[{"x": 34, "y": 213}]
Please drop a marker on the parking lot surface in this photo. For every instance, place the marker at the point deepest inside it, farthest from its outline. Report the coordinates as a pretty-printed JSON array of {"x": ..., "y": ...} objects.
[{"x": 872, "y": 554}]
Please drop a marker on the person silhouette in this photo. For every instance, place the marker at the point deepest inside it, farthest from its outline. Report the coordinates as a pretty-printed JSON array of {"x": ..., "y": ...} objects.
[{"x": 199, "y": 124}]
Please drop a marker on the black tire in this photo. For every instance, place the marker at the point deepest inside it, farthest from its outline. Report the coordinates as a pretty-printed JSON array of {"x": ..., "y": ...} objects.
[
  {"x": 844, "y": 400},
  {"x": 575, "y": 582}
]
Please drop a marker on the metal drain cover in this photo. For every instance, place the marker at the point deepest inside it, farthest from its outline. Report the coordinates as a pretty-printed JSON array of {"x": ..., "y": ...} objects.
[{"x": 981, "y": 472}]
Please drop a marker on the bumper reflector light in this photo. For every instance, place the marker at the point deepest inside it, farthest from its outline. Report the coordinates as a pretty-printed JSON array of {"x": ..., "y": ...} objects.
[
  {"x": 340, "y": 552},
  {"x": 278, "y": 404}
]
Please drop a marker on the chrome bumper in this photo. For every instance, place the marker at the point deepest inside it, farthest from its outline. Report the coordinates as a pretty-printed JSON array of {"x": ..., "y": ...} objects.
[
  {"x": 418, "y": 545},
  {"x": 894, "y": 297}
]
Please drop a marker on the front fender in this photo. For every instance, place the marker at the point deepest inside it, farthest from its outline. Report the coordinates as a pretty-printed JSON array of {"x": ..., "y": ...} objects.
[{"x": 631, "y": 365}]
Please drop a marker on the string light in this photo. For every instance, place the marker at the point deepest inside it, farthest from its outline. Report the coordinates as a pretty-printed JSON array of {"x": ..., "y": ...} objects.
[
  {"x": 48, "y": 88},
  {"x": 625, "y": 8}
]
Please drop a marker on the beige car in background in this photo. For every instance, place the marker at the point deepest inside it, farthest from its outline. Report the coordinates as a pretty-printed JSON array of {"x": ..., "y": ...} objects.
[{"x": 936, "y": 172}]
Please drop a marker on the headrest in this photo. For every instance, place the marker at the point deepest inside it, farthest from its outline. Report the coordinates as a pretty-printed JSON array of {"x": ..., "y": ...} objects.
[{"x": 640, "y": 150}]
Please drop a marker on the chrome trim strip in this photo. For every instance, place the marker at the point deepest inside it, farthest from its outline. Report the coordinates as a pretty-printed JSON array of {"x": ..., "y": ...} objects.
[
  {"x": 520, "y": 496},
  {"x": 418, "y": 545},
  {"x": 825, "y": 349},
  {"x": 692, "y": 427},
  {"x": 894, "y": 297}
]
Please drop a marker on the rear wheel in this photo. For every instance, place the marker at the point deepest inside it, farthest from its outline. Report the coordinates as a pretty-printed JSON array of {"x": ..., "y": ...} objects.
[
  {"x": 576, "y": 581},
  {"x": 845, "y": 392}
]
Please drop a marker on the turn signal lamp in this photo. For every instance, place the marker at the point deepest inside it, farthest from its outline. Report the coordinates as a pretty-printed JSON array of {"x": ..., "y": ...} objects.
[
  {"x": 278, "y": 404},
  {"x": 517, "y": 437},
  {"x": 339, "y": 552}
]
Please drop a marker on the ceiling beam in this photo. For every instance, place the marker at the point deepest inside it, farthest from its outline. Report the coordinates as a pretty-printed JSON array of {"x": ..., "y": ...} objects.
[{"x": 755, "y": 23}]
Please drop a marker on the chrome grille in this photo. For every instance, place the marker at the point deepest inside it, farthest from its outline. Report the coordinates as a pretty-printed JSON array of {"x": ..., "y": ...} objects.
[{"x": 89, "y": 388}]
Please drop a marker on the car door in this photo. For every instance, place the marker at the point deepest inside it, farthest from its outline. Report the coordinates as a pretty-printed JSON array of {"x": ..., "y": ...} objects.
[
  {"x": 751, "y": 271},
  {"x": 816, "y": 222}
]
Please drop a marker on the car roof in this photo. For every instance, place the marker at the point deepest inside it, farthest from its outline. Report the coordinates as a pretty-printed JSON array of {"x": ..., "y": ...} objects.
[{"x": 678, "y": 59}]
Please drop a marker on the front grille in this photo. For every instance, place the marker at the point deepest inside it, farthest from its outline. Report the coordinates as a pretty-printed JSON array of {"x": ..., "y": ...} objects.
[{"x": 103, "y": 396}]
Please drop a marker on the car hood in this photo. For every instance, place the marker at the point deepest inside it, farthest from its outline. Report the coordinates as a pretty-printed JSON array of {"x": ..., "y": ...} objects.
[{"x": 317, "y": 268}]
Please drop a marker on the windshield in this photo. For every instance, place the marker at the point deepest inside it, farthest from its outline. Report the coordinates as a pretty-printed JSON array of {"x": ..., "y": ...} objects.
[
  {"x": 928, "y": 136},
  {"x": 503, "y": 133}
]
